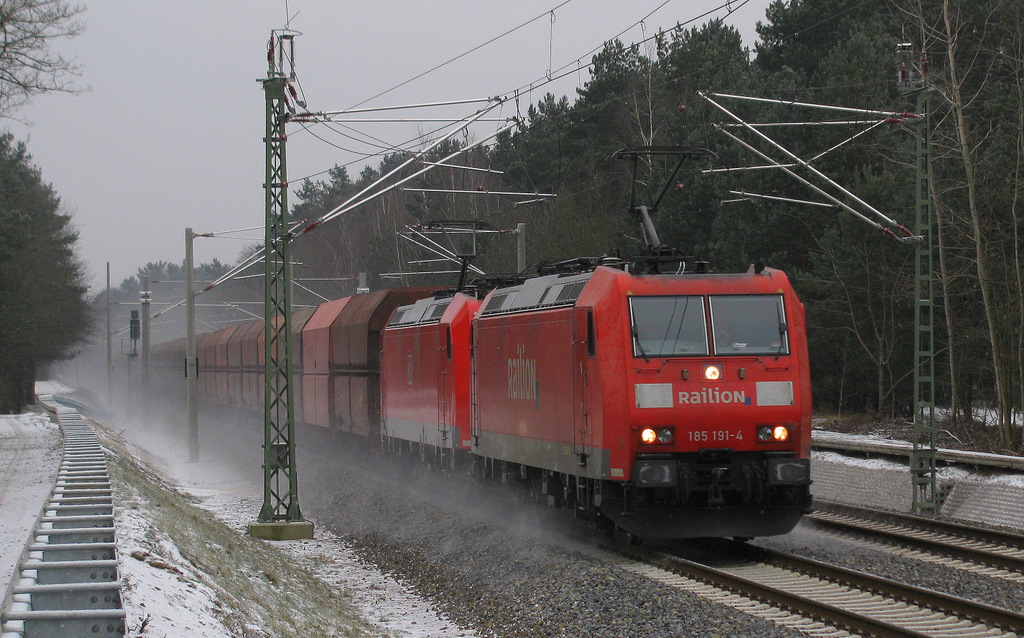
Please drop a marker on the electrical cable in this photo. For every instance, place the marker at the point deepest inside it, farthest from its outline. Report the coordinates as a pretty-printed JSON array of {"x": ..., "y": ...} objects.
[
  {"x": 404, "y": 147},
  {"x": 574, "y": 67},
  {"x": 540, "y": 82},
  {"x": 464, "y": 54}
]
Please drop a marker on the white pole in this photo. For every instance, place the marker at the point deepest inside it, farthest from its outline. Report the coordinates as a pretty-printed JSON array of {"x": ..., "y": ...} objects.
[
  {"x": 521, "y": 246},
  {"x": 144, "y": 298},
  {"x": 110, "y": 347},
  {"x": 191, "y": 362}
]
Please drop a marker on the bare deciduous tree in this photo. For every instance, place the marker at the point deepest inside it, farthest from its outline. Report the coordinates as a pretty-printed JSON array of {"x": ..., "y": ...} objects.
[{"x": 28, "y": 64}]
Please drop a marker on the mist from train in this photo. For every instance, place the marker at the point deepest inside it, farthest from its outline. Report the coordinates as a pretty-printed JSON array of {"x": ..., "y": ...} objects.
[{"x": 345, "y": 484}]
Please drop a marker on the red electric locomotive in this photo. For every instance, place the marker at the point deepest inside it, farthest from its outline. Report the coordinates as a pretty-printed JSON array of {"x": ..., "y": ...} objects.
[
  {"x": 671, "y": 405},
  {"x": 425, "y": 369}
]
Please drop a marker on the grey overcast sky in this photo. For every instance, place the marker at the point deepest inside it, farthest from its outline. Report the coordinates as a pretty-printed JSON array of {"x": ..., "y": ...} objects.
[{"x": 169, "y": 133}]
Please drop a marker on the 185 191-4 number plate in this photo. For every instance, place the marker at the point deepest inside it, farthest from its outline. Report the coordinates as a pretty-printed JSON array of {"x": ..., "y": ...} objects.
[{"x": 715, "y": 436}]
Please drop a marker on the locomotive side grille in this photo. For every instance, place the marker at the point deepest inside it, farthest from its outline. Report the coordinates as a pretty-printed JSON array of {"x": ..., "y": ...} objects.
[
  {"x": 570, "y": 292},
  {"x": 423, "y": 311},
  {"x": 542, "y": 292},
  {"x": 396, "y": 319},
  {"x": 495, "y": 304},
  {"x": 437, "y": 311}
]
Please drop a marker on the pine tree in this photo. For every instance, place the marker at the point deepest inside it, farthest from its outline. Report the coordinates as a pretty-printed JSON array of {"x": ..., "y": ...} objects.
[{"x": 43, "y": 311}]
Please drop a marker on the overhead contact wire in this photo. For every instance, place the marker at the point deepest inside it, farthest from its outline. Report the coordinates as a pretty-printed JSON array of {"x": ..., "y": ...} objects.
[{"x": 464, "y": 54}]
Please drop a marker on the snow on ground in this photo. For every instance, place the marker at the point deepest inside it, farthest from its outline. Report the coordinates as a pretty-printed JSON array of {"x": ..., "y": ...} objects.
[
  {"x": 965, "y": 475},
  {"x": 944, "y": 472},
  {"x": 159, "y": 598},
  {"x": 871, "y": 463},
  {"x": 53, "y": 387},
  {"x": 29, "y": 456},
  {"x": 380, "y": 600},
  {"x": 824, "y": 436}
]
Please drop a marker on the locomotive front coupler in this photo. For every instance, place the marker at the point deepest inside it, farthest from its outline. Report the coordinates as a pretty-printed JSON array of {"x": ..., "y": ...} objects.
[{"x": 719, "y": 475}]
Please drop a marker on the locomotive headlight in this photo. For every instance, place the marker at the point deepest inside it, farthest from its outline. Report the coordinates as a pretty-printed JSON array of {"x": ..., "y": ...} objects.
[
  {"x": 663, "y": 436},
  {"x": 772, "y": 433},
  {"x": 712, "y": 372}
]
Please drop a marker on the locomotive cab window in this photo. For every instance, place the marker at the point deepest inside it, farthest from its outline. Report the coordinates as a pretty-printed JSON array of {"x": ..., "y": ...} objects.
[
  {"x": 591, "y": 335},
  {"x": 749, "y": 325},
  {"x": 668, "y": 326}
]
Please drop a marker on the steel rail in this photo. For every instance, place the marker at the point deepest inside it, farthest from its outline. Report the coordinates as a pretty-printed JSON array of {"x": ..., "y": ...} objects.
[
  {"x": 982, "y": 612},
  {"x": 804, "y": 605},
  {"x": 1004, "y": 550},
  {"x": 988, "y": 616}
]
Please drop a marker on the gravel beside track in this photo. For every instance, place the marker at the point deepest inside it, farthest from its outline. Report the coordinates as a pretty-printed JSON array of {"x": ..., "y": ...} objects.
[{"x": 506, "y": 568}]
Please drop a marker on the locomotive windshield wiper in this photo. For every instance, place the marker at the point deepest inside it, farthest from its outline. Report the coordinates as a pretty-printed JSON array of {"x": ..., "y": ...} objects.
[
  {"x": 639, "y": 346},
  {"x": 783, "y": 329}
]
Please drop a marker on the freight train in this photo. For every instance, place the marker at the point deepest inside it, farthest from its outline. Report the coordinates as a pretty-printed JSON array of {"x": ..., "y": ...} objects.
[{"x": 663, "y": 405}]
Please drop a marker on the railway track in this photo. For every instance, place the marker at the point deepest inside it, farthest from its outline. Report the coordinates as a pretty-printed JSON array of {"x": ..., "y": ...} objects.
[
  {"x": 993, "y": 552},
  {"x": 821, "y": 599}
]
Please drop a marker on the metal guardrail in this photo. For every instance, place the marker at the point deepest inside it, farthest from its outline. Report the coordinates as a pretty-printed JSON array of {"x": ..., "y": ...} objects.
[
  {"x": 69, "y": 585},
  {"x": 823, "y": 440}
]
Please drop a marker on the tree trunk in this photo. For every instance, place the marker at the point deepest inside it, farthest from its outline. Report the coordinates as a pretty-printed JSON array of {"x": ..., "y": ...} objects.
[
  {"x": 944, "y": 280},
  {"x": 17, "y": 386},
  {"x": 880, "y": 378},
  {"x": 984, "y": 281},
  {"x": 1015, "y": 211}
]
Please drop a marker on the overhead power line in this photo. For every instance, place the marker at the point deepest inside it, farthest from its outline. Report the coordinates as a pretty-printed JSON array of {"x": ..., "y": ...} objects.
[{"x": 464, "y": 54}]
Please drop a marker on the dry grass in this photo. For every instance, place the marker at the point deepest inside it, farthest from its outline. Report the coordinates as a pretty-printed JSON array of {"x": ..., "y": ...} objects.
[{"x": 260, "y": 590}]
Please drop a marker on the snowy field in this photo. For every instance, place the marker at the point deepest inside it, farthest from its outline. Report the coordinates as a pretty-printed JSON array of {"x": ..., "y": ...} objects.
[{"x": 29, "y": 454}]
